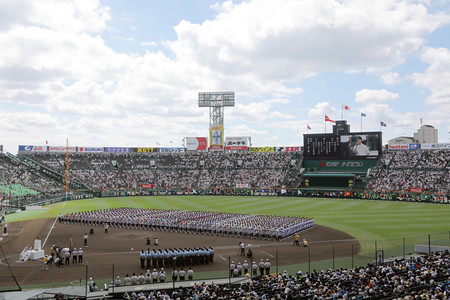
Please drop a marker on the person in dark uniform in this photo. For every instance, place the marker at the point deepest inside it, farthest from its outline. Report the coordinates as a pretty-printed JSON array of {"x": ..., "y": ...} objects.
[
  {"x": 182, "y": 274},
  {"x": 261, "y": 267},
  {"x": 74, "y": 256},
  {"x": 148, "y": 256},
  {"x": 80, "y": 255},
  {"x": 142, "y": 258}
]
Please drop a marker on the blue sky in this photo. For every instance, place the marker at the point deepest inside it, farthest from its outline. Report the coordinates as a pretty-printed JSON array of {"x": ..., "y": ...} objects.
[{"x": 127, "y": 73}]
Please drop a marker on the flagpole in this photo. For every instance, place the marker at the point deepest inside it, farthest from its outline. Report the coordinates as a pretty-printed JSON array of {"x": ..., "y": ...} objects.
[
  {"x": 67, "y": 167},
  {"x": 361, "y": 122},
  {"x": 342, "y": 111},
  {"x": 325, "y": 125}
]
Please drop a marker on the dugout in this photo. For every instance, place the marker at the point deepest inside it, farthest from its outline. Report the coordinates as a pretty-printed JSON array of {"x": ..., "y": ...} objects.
[{"x": 343, "y": 180}]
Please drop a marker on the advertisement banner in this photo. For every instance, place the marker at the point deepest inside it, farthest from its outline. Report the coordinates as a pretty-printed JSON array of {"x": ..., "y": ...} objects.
[
  {"x": 146, "y": 185},
  {"x": 339, "y": 165},
  {"x": 288, "y": 149},
  {"x": 117, "y": 150},
  {"x": 242, "y": 185},
  {"x": 416, "y": 190},
  {"x": 145, "y": 150},
  {"x": 435, "y": 146},
  {"x": 32, "y": 148},
  {"x": 216, "y": 135},
  {"x": 61, "y": 149},
  {"x": 292, "y": 149},
  {"x": 261, "y": 149},
  {"x": 196, "y": 143},
  {"x": 171, "y": 150},
  {"x": 90, "y": 149},
  {"x": 216, "y": 148},
  {"x": 403, "y": 147},
  {"x": 236, "y": 143},
  {"x": 398, "y": 147}
]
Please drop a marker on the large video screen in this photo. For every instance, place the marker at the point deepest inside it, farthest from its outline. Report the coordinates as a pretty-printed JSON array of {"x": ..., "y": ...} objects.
[{"x": 360, "y": 145}]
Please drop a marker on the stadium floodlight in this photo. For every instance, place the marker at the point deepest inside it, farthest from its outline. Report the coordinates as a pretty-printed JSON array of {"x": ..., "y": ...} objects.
[{"x": 216, "y": 101}]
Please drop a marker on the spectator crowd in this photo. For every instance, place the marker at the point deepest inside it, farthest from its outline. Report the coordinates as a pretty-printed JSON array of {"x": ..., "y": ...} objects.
[
  {"x": 416, "y": 277},
  {"x": 209, "y": 173},
  {"x": 401, "y": 170}
]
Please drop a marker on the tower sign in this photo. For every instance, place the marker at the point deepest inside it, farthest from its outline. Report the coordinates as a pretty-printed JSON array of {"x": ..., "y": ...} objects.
[{"x": 216, "y": 101}]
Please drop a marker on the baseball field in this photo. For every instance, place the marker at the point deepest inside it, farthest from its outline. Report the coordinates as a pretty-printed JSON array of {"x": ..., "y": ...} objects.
[{"x": 347, "y": 233}]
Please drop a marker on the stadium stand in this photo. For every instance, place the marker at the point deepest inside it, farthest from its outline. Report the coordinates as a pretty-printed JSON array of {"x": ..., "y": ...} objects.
[
  {"x": 402, "y": 169},
  {"x": 19, "y": 187},
  {"x": 416, "y": 277},
  {"x": 101, "y": 171},
  {"x": 233, "y": 173}
]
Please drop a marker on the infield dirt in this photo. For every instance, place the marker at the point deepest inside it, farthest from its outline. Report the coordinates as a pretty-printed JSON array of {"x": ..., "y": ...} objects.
[{"x": 115, "y": 248}]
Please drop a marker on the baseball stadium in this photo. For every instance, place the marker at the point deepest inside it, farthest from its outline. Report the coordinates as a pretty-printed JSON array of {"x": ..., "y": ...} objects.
[{"x": 227, "y": 220}]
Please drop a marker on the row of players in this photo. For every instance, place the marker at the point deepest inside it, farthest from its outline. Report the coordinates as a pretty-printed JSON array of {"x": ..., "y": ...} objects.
[
  {"x": 237, "y": 270},
  {"x": 249, "y": 226},
  {"x": 176, "y": 257},
  {"x": 147, "y": 278}
]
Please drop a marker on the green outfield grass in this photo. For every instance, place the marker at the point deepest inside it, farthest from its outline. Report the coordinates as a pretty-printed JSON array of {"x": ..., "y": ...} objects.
[{"x": 386, "y": 222}]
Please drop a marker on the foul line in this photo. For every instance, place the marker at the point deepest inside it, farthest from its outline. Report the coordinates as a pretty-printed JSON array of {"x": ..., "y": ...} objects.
[
  {"x": 53, "y": 226},
  {"x": 268, "y": 253}
]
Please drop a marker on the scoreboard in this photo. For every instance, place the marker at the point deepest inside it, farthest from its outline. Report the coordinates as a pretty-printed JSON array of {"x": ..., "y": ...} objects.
[
  {"x": 359, "y": 145},
  {"x": 321, "y": 145}
]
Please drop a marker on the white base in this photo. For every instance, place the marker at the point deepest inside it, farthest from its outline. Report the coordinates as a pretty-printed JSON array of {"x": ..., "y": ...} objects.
[
  {"x": 37, "y": 254},
  {"x": 1, "y": 239},
  {"x": 5, "y": 234}
]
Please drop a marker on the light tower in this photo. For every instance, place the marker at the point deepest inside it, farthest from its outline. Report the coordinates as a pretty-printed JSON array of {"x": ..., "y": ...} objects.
[{"x": 216, "y": 101}]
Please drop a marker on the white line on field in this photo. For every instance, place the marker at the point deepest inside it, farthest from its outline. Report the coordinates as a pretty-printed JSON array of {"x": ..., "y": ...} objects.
[
  {"x": 53, "y": 226},
  {"x": 268, "y": 254},
  {"x": 222, "y": 257}
]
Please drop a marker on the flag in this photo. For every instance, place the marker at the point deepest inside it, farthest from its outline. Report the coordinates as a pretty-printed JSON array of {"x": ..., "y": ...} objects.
[
  {"x": 329, "y": 120},
  {"x": 46, "y": 142},
  {"x": 363, "y": 114},
  {"x": 307, "y": 127},
  {"x": 382, "y": 124},
  {"x": 347, "y": 193},
  {"x": 345, "y": 107}
]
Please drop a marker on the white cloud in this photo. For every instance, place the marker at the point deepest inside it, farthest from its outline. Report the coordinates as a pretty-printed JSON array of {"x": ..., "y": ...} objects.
[
  {"x": 437, "y": 76},
  {"x": 391, "y": 78},
  {"x": 244, "y": 130},
  {"x": 366, "y": 95},
  {"x": 279, "y": 100},
  {"x": 58, "y": 62},
  {"x": 270, "y": 140},
  {"x": 398, "y": 122},
  {"x": 321, "y": 109},
  {"x": 289, "y": 40}
]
